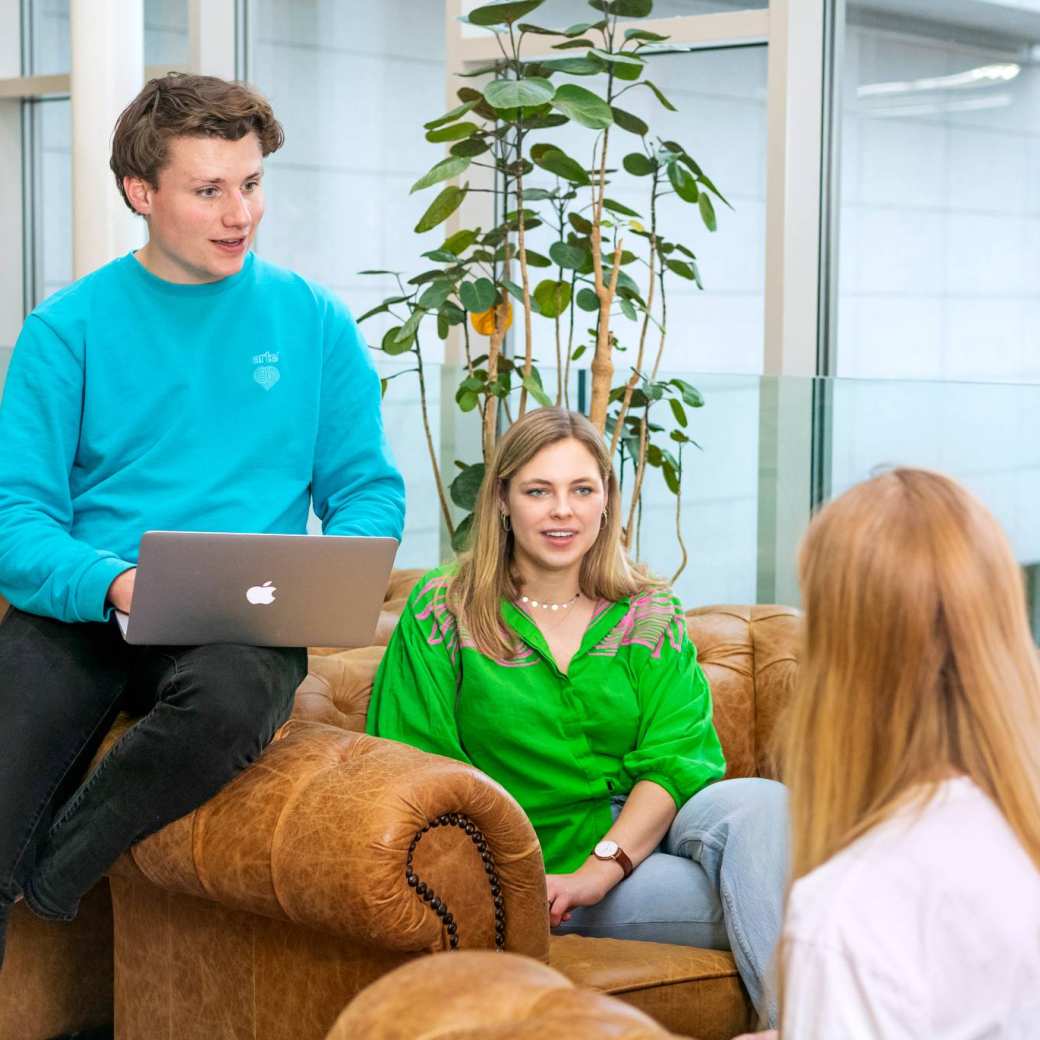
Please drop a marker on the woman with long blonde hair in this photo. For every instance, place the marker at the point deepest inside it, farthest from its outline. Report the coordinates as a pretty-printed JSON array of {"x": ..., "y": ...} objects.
[
  {"x": 912, "y": 755},
  {"x": 550, "y": 662}
]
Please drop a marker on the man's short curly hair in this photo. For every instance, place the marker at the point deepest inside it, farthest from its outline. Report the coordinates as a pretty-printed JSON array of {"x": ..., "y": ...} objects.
[{"x": 179, "y": 105}]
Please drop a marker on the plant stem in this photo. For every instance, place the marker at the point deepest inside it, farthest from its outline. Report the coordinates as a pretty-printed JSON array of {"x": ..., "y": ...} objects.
[
  {"x": 524, "y": 282},
  {"x": 637, "y": 487},
  {"x": 602, "y": 362},
  {"x": 445, "y": 511},
  {"x": 638, "y": 367},
  {"x": 678, "y": 526}
]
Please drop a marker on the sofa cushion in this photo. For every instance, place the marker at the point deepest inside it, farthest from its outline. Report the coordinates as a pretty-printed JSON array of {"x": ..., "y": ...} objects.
[{"x": 689, "y": 991}]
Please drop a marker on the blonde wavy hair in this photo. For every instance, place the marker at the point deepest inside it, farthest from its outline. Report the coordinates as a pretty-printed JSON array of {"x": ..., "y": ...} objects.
[
  {"x": 485, "y": 573},
  {"x": 918, "y": 664}
]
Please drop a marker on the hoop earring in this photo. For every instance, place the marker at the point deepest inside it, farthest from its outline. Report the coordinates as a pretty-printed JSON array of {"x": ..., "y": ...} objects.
[
  {"x": 603, "y": 520},
  {"x": 506, "y": 525}
]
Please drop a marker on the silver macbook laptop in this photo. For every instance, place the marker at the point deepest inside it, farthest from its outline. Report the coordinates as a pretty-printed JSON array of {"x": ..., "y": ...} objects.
[{"x": 259, "y": 589}]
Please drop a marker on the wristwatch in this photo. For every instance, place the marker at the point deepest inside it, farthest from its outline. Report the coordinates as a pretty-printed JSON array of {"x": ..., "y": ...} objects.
[{"x": 612, "y": 850}]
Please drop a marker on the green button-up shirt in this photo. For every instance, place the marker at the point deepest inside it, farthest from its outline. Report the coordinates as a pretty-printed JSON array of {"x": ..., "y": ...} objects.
[{"x": 633, "y": 705}]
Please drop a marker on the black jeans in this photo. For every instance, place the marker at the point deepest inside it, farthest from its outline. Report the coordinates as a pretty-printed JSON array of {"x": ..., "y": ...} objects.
[{"x": 206, "y": 713}]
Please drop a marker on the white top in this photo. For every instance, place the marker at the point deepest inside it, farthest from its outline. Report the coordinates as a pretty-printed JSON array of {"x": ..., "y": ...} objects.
[{"x": 926, "y": 927}]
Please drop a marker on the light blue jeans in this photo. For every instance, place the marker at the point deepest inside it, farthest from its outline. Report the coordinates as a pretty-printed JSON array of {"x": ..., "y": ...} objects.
[{"x": 717, "y": 880}]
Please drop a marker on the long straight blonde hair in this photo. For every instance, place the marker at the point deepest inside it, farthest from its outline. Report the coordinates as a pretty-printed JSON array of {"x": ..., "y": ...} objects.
[
  {"x": 918, "y": 664},
  {"x": 485, "y": 572}
]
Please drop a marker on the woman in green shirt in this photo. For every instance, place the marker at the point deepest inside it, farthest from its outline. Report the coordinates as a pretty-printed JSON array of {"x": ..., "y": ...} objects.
[{"x": 551, "y": 663}]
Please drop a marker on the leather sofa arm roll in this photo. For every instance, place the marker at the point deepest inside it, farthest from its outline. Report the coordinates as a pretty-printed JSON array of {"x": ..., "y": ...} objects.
[
  {"x": 318, "y": 832},
  {"x": 474, "y": 996}
]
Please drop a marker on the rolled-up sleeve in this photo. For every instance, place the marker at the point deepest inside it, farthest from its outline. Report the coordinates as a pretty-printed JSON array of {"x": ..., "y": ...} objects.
[{"x": 677, "y": 746}]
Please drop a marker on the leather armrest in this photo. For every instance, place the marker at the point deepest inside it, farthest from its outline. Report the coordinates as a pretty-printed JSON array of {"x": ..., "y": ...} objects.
[
  {"x": 317, "y": 832},
  {"x": 473, "y": 996}
]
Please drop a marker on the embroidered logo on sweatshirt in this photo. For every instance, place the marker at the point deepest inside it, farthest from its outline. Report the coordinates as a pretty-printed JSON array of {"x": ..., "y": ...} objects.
[{"x": 266, "y": 372}]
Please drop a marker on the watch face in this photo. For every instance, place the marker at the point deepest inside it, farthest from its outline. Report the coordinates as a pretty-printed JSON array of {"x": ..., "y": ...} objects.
[{"x": 605, "y": 850}]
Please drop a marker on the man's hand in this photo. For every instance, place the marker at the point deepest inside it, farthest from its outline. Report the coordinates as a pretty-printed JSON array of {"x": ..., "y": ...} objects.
[
  {"x": 121, "y": 591},
  {"x": 585, "y": 887}
]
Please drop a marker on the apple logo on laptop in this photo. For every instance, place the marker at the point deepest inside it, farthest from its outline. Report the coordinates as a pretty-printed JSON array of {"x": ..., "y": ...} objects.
[{"x": 262, "y": 593}]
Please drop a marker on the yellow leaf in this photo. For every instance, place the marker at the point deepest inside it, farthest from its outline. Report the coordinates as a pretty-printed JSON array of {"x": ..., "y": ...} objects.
[{"x": 484, "y": 322}]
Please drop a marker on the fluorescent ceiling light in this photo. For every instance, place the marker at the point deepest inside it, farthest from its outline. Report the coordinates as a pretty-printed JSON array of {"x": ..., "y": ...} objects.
[{"x": 983, "y": 76}]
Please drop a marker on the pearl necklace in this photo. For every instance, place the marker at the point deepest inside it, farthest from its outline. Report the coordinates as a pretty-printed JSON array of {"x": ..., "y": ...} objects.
[{"x": 551, "y": 606}]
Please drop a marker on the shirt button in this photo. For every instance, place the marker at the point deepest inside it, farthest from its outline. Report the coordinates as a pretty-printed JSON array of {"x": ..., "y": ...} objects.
[{"x": 610, "y": 785}]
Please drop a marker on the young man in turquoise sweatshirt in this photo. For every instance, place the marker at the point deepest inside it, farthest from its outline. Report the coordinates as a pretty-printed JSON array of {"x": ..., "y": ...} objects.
[{"x": 187, "y": 386}]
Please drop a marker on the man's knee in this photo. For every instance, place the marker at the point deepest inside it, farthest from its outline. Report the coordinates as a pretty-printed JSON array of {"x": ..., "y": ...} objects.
[{"x": 242, "y": 693}]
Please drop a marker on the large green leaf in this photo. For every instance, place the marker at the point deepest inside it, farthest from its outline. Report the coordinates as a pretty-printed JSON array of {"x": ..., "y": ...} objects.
[
  {"x": 681, "y": 268},
  {"x": 454, "y": 114},
  {"x": 690, "y": 394},
  {"x": 582, "y": 27},
  {"x": 518, "y": 93},
  {"x": 455, "y": 132},
  {"x": 436, "y": 294},
  {"x": 478, "y": 296},
  {"x": 573, "y": 66},
  {"x": 466, "y": 486},
  {"x": 707, "y": 211},
  {"x": 533, "y": 385},
  {"x": 581, "y": 41},
  {"x": 552, "y": 297},
  {"x": 545, "y": 122},
  {"x": 627, "y": 121},
  {"x": 683, "y": 183},
  {"x": 550, "y": 158},
  {"x": 568, "y": 256},
  {"x": 619, "y": 58},
  {"x": 460, "y": 539},
  {"x": 536, "y": 259},
  {"x": 382, "y": 308},
  {"x": 392, "y": 341},
  {"x": 451, "y": 313},
  {"x": 706, "y": 181},
  {"x": 579, "y": 223},
  {"x": 469, "y": 147},
  {"x": 630, "y": 8},
  {"x": 583, "y": 106},
  {"x": 587, "y": 300},
  {"x": 638, "y": 164},
  {"x": 503, "y": 13},
  {"x": 617, "y": 207},
  {"x": 445, "y": 170},
  {"x": 644, "y": 35},
  {"x": 441, "y": 208},
  {"x": 660, "y": 97},
  {"x": 461, "y": 241}
]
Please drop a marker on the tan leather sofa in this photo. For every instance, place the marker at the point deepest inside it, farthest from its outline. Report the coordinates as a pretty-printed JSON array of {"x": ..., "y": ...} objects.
[
  {"x": 262, "y": 913},
  {"x": 476, "y": 995}
]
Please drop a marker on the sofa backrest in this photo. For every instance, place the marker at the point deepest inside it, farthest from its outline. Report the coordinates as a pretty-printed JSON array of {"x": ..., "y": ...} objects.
[{"x": 750, "y": 656}]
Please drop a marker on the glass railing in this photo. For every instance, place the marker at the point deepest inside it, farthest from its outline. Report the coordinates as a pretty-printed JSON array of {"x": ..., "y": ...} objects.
[{"x": 768, "y": 450}]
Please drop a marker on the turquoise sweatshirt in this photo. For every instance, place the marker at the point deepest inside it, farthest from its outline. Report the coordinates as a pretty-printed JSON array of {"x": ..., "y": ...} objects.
[{"x": 134, "y": 404}]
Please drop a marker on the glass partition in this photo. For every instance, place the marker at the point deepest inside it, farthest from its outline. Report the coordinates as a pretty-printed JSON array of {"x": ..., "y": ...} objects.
[{"x": 940, "y": 208}]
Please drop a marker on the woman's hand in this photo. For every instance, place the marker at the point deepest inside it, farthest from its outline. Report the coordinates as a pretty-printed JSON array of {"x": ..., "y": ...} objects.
[{"x": 585, "y": 887}]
